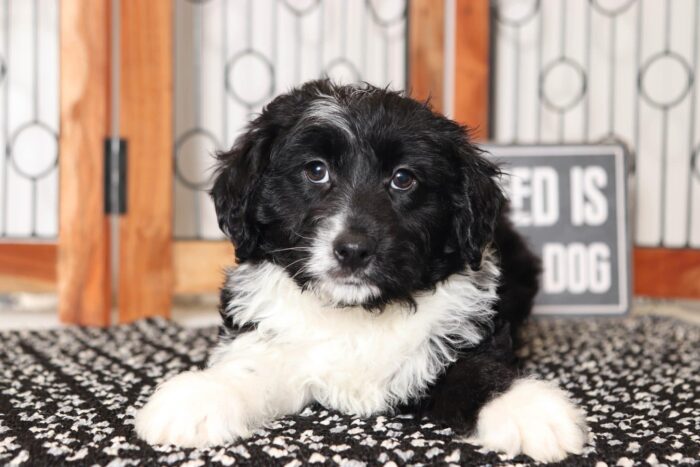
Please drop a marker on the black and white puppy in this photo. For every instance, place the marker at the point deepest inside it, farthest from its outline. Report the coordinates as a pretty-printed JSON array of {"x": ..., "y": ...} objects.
[{"x": 377, "y": 272}]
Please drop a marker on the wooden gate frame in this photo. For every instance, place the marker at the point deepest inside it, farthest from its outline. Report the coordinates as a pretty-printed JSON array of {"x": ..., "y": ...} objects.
[
  {"x": 83, "y": 260},
  {"x": 151, "y": 266},
  {"x": 146, "y": 123},
  {"x": 77, "y": 264}
]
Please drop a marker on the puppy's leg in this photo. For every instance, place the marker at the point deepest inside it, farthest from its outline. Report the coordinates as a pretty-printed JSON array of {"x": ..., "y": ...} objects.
[
  {"x": 234, "y": 396},
  {"x": 481, "y": 394},
  {"x": 520, "y": 270}
]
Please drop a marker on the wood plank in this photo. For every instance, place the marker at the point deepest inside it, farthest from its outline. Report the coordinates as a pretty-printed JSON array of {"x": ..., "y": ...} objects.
[
  {"x": 666, "y": 273},
  {"x": 471, "y": 106},
  {"x": 145, "y": 253},
  {"x": 83, "y": 252},
  {"x": 427, "y": 51},
  {"x": 28, "y": 267},
  {"x": 199, "y": 265}
]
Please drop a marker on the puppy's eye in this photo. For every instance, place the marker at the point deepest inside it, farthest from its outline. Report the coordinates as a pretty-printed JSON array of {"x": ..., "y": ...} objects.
[
  {"x": 402, "y": 180},
  {"x": 317, "y": 172}
]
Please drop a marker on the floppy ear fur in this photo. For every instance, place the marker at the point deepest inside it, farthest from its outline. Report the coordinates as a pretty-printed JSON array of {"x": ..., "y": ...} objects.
[
  {"x": 235, "y": 186},
  {"x": 478, "y": 205},
  {"x": 240, "y": 170}
]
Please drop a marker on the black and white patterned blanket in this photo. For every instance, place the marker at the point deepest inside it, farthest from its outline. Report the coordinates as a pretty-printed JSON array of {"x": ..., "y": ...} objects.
[{"x": 68, "y": 397}]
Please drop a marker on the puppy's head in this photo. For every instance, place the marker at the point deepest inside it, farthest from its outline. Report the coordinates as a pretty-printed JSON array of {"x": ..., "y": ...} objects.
[{"x": 363, "y": 195}]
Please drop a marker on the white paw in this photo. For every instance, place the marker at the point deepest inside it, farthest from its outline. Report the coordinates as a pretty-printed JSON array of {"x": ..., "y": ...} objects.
[
  {"x": 535, "y": 418},
  {"x": 192, "y": 409}
]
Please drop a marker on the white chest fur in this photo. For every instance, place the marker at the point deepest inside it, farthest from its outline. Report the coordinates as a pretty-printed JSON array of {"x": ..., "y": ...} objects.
[{"x": 348, "y": 358}]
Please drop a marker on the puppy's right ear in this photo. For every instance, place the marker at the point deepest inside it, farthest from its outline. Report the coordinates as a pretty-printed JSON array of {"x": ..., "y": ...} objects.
[{"x": 235, "y": 187}]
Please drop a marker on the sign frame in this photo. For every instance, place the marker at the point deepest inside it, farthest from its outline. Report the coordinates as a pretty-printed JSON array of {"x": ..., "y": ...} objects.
[{"x": 495, "y": 152}]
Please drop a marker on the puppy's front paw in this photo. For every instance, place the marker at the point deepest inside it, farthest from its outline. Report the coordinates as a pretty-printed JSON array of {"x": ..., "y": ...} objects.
[
  {"x": 192, "y": 409},
  {"x": 535, "y": 418}
]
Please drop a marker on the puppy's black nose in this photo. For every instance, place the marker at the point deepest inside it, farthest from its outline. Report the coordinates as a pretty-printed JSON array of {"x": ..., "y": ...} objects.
[{"x": 353, "y": 250}]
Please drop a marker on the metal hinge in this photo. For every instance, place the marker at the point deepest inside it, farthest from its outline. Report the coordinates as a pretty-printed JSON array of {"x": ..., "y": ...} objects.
[{"x": 115, "y": 177}]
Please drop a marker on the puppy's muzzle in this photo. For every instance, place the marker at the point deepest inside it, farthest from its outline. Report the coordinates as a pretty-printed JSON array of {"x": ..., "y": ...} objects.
[{"x": 354, "y": 250}]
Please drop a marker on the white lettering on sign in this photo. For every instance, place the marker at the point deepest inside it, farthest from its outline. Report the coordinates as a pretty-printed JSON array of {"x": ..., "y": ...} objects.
[
  {"x": 576, "y": 268},
  {"x": 539, "y": 186},
  {"x": 588, "y": 203}
]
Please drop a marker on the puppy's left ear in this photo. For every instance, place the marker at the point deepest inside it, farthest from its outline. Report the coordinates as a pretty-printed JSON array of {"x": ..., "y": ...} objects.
[{"x": 478, "y": 205}]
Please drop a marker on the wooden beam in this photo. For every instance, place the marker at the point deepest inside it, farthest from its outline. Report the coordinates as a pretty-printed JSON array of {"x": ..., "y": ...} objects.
[
  {"x": 28, "y": 267},
  {"x": 83, "y": 251},
  {"x": 666, "y": 273},
  {"x": 426, "y": 47},
  {"x": 145, "y": 256},
  {"x": 471, "y": 93},
  {"x": 199, "y": 265}
]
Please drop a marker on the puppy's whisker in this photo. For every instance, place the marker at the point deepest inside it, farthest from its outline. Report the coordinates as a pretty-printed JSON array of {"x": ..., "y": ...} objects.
[
  {"x": 302, "y": 269},
  {"x": 286, "y": 268},
  {"x": 301, "y": 236},
  {"x": 294, "y": 248}
]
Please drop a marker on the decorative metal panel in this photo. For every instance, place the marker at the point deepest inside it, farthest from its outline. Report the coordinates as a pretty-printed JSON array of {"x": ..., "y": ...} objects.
[{"x": 29, "y": 118}]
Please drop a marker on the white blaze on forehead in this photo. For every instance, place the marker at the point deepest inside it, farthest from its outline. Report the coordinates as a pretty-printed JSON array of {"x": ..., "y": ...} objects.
[{"x": 327, "y": 109}]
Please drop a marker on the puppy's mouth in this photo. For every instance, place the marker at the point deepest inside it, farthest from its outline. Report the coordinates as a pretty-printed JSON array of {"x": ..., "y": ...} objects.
[
  {"x": 347, "y": 278},
  {"x": 350, "y": 281},
  {"x": 346, "y": 291}
]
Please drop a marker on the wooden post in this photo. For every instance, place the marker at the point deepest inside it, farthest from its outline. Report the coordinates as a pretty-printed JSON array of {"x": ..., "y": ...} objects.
[
  {"x": 83, "y": 250},
  {"x": 145, "y": 244},
  {"x": 426, "y": 25},
  {"x": 471, "y": 93},
  {"x": 667, "y": 273},
  {"x": 28, "y": 267},
  {"x": 199, "y": 265}
]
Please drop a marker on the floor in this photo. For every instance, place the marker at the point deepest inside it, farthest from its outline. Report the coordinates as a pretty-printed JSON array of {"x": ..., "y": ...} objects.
[
  {"x": 38, "y": 311},
  {"x": 68, "y": 397},
  {"x": 33, "y": 311}
]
